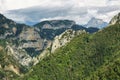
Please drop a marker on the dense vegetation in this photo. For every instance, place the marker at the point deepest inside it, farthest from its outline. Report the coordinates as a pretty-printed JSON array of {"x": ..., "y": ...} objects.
[{"x": 86, "y": 57}]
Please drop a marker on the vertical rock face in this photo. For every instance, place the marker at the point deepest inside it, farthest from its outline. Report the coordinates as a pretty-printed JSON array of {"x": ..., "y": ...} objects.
[
  {"x": 31, "y": 38},
  {"x": 115, "y": 19}
]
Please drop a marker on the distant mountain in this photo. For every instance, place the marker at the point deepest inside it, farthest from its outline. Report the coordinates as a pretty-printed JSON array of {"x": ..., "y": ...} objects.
[
  {"x": 55, "y": 24},
  {"x": 49, "y": 29},
  {"x": 96, "y": 23}
]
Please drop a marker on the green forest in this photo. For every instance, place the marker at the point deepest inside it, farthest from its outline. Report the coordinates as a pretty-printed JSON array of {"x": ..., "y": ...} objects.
[{"x": 87, "y": 57}]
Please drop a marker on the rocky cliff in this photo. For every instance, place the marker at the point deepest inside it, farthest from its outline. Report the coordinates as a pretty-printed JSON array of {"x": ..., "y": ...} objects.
[
  {"x": 64, "y": 38},
  {"x": 115, "y": 19}
]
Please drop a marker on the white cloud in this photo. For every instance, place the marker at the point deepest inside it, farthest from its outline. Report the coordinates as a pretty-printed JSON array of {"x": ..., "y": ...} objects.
[
  {"x": 79, "y": 10},
  {"x": 113, "y": 2},
  {"x": 19, "y": 4}
]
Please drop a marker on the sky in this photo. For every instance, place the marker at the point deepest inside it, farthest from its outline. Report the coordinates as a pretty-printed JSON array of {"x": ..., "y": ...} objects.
[{"x": 81, "y": 11}]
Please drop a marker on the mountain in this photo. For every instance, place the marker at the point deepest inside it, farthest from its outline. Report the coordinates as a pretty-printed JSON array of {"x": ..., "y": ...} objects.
[
  {"x": 21, "y": 46},
  {"x": 9, "y": 28},
  {"x": 86, "y": 57},
  {"x": 96, "y": 23},
  {"x": 50, "y": 29},
  {"x": 55, "y": 24},
  {"x": 8, "y": 63},
  {"x": 17, "y": 44}
]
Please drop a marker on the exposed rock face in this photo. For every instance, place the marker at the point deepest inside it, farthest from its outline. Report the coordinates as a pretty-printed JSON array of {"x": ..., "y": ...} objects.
[
  {"x": 14, "y": 29},
  {"x": 115, "y": 19},
  {"x": 0, "y": 66},
  {"x": 26, "y": 46},
  {"x": 19, "y": 55},
  {"x": 24, "y": 43},
  {"x": 1, "y": 48},
  {"x": 64, "y": 38},
  {"x": 13, "y": 68},
  {"x": 31, "y": 39}
]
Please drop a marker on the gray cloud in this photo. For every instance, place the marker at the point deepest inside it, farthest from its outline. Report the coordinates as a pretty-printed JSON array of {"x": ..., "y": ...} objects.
[
  {"x": 73, "y": 10},
  {"x": 36, "y": 14},
  {"x": 107, "y": 9}
]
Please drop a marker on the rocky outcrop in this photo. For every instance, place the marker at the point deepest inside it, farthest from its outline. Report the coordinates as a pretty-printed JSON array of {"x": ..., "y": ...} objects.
[
  {"x": 1, "y": 48},
  {"x": 13, "y": 68},
  {"x": 115, "y": 19},
  {"x": 19, "y": 55},
  {"x": 64, "y": 38}
]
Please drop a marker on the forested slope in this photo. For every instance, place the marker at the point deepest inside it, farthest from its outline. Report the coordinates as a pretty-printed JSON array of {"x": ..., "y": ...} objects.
[{"x": 87, "y": 57}]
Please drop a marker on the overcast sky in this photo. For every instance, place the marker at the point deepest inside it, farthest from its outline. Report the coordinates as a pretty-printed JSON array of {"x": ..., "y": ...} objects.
[{"x": 33, "y": 11}]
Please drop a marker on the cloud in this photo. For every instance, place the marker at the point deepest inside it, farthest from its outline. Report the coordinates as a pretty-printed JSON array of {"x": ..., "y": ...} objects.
[{"x": 81, "y": 11}]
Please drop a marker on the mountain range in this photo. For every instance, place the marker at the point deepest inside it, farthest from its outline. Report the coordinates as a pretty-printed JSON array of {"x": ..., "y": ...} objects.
[{"x": 50, "y": 49}]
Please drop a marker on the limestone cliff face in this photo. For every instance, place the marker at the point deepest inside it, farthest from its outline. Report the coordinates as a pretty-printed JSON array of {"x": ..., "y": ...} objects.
[
  {"x": 26, "y": 46},
  {"x": 31, "y": 39},
  {"x": 115, "y": 19},
  {"x": 64, "y": 38},
  {"x": 23, "y": 42}
]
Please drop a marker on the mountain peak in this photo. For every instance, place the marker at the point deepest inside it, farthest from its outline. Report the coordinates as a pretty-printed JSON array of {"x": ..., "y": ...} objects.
[
  {"x": 115, "y": 19},
  {"x": 97, "y": 23}
]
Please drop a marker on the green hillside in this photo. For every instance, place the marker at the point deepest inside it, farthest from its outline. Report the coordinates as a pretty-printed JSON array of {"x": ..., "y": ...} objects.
[{"x": 86, "y": 57}]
